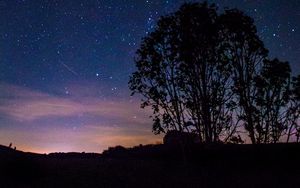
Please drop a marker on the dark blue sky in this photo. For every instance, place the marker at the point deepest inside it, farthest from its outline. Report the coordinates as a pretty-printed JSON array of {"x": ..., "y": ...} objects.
[{"x": 64, "y": 66}]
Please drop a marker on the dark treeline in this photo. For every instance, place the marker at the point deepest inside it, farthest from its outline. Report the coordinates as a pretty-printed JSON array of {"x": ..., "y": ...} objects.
[{"x": 208, "y": 72}]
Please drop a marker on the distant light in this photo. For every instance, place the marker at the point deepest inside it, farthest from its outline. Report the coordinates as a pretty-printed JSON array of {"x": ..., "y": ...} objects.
[
  {"x": 293, "y": 30},
  {"x": 97, "y": 74},
  {"x": 274, "y": 35}
]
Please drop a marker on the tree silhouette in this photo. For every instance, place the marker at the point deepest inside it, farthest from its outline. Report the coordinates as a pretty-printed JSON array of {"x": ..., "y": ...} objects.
[
  {"x": 204, "y": 71},
  {"x": 182, "y": 74},
  {"x": 209, "y": 74},
  {"x": 246, "y": 52},
  {"x": 273, "y": 91},
  {"x": 293, "y": 112}
]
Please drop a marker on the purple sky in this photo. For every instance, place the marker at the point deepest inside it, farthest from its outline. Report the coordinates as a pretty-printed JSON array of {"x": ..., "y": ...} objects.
[{"x": 64, "y": 67}]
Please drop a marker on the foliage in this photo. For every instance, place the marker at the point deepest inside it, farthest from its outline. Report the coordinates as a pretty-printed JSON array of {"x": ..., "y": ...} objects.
[{"x": 209, "y": 74}]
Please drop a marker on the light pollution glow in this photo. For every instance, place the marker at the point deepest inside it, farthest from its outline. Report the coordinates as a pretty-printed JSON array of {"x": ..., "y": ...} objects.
[{"x": 39, "y": 122}]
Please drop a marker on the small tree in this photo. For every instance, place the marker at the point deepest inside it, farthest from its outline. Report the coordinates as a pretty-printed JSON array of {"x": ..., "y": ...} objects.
[
  {"x": 273, "y": 89},
  {"x": 293, "y": 113}
]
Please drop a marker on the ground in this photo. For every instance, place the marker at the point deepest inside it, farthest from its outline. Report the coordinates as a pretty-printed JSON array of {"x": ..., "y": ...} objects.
[{"x": 202, "y": 166}]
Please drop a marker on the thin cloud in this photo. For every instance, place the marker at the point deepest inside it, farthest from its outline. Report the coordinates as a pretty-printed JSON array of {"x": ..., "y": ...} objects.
[
  {"x": 43, "y": 122},
  {"x": 33, "y": 105}
]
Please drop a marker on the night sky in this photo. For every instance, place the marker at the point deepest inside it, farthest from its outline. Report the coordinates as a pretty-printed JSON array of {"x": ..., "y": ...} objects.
[{"x": 64, "y": 67}]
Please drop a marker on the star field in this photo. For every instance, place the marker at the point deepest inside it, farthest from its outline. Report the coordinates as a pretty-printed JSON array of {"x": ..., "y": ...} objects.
[{"x": 64, "y": 67}]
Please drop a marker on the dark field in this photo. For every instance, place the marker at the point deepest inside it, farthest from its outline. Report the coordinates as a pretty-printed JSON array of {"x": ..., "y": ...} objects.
[{"x": 156, "y": 166}]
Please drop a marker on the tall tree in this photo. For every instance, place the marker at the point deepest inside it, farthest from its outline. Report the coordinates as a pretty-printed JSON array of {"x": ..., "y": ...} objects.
[
  {"x": 246, "y": 53},
  {"x": 205, "y": 73},
  {"x": 183, "y": 74}
]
